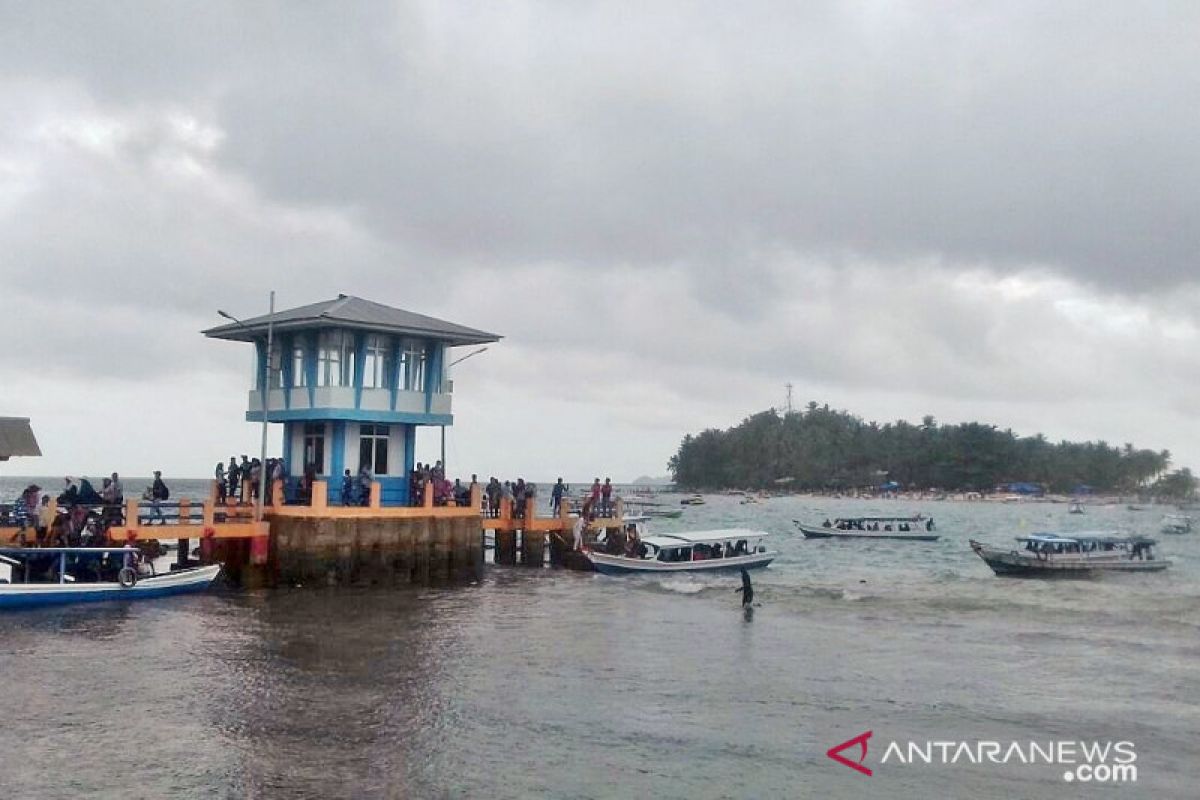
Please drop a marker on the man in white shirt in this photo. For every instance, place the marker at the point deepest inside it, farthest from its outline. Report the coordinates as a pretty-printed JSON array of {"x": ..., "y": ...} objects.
[{"x": 577, "y": 530}]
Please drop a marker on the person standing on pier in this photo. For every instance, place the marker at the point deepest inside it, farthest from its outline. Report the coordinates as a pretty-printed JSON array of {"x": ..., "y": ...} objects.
[
  {"x": 556, "y": 495},
  {"x": 232, "y": 477},
  {"x": 219, "y": 477},
  {"x": 595, "y": 498},
  {"x": 347, "y": 489},
  {"x": 158, "y": 493},
  {"x": 606, "y": 498},
  {"x": 577, "y": 532}
]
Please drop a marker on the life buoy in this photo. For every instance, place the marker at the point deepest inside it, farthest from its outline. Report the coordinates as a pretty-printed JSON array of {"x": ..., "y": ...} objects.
[{"x": 127, "y": 577}]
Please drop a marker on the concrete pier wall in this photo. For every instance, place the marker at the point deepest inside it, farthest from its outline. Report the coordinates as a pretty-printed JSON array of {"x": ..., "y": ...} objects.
[{"x": 369, "y": 550}]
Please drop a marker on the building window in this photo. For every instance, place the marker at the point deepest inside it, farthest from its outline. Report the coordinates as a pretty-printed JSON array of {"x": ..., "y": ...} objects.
[
  {"x": 275, "y": 366},
  {"x": 299, "y": 372},
  {"x": 335, "y": 359},
  {"x": 373, "y": 448},
  {"x": 377, "y": 363},
  {"x": 412, "y": 366},
  {"x": 314, "y": 445}
]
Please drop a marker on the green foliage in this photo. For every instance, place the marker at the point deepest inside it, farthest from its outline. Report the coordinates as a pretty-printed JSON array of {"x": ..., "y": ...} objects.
[
  {"x": 1177, "y": 486},
  {"x": 823, "y": 448}
]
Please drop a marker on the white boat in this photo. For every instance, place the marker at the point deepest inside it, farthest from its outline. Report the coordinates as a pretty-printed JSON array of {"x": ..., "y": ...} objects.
[
  {"x": 1071, "y": 555},
  {"x": 132, "y": 583},
  {"x": 694, "y": 551},
  {"x": 694, "y": 500},
  {"x": 1176, "y": 523},
  {"x": 916, "y": 528}
]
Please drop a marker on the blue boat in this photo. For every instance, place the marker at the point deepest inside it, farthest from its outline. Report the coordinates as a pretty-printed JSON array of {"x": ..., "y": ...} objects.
[{"x": 19, "y": 567}]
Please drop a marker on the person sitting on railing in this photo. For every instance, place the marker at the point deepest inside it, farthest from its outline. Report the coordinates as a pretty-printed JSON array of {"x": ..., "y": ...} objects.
[
  {"x": 70, "y": 493},
  {"x": 88, "y": 495}
]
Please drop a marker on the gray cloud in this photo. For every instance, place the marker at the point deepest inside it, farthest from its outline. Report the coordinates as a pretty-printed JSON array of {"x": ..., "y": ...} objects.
[{"x": 979, "y": 208}]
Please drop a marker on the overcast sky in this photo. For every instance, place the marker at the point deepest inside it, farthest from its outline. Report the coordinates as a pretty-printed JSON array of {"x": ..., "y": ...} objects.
[{"x": 980, "y": 211}]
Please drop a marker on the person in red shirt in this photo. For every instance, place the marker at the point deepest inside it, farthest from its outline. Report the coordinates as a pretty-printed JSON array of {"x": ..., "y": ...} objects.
[{"x": 606, "y": 498}]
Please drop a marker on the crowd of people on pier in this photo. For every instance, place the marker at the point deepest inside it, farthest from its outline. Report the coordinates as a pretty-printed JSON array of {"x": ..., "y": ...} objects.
[
  {"x": 80, "y": 516},
  {"x": 241, "y": 482}
]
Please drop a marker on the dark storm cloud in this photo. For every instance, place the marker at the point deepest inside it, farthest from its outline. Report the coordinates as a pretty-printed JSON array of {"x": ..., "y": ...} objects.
[{"x": 592, "y": 134}]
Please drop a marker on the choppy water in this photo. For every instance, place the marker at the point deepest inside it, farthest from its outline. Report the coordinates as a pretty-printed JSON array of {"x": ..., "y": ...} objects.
[{"x": 537, "y": 683}]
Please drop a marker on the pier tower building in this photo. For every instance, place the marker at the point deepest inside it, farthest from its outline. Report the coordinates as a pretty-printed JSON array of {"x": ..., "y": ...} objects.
[{"x": 350, "y": 380}]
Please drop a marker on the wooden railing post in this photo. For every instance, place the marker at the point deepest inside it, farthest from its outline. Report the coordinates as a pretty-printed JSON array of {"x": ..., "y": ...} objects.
[
  {"x": 131, "y": 513},
  {"x": 476, "y": 497},
  {"x": 376, "y": 499},
  {"x": 210, "y": 512},
  {"x": 213, "y": 493},
  {"x": 428, "y": 499},
  {"x": 185, "y": 511},
  {"x": 620, "y": 509},
  {"x": 320, "y": 494}
]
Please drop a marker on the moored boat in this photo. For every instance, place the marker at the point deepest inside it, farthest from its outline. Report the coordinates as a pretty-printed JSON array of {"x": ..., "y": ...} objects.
[
  {"x": 916, "y": 528},
  {"x": 694, "y": 500},
  {"x": 1075, "y": 507},
  {"x": 64, "y": 573},
  {"x": 1071, "y": 554},
  {"x": 694, "y": 551},
  {"x": 1176, "y": 524}
]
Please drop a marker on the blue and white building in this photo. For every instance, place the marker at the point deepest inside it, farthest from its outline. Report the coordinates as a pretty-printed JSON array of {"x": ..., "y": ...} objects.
[{"x": 351, "y": 380}]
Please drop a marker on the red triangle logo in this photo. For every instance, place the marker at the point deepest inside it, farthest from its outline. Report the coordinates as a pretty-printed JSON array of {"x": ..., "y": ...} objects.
[{"x": 835, "y": 752}]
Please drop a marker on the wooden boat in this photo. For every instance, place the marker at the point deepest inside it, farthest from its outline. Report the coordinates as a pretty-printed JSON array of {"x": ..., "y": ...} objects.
[
  {"x": 695, "y": 551},
  {"x": 1071, "y": 555},
  {"x": 1176, "y": 524},
  {"x": 916, "y": 528},
  {"x": 120, "y": 577}
]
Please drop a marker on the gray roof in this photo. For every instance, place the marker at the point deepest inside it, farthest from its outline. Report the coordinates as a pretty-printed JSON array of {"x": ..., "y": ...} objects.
[
  {"x": 16, "y": 438},
  {"x": 347, "y": 311}
]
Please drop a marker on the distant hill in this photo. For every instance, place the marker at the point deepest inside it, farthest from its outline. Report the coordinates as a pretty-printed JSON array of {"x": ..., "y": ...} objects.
[
  {"x": 823, "y": 448},
  {"x": 646, "y": 480}
]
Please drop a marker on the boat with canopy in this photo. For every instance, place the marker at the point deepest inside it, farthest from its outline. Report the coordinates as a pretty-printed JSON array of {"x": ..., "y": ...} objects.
[
  {"x": 1072, "y": 554},
  {"x": 693, "y": 551},
  {"x": 917, "y": 528}
]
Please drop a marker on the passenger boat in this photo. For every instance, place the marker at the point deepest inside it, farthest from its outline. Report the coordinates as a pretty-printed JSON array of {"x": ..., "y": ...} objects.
[
  {"x": 1176, "y": 523},
  {"x": 1071, "y": 554},
  {"x": 695, "y": 551},
  {"x": 916, "y": 528},
  {"x": 694, "y": 500},
  {"x": 119, "y": 576}
]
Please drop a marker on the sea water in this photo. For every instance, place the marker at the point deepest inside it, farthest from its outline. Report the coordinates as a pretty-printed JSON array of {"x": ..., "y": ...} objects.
[{"x": 549, "y": 683}]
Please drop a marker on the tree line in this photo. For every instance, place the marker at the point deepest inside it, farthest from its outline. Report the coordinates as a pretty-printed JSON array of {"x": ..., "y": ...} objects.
[{"x": 819, "y": 448}]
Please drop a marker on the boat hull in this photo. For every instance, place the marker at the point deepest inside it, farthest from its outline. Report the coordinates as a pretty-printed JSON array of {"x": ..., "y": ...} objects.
[
  {"x": 620, "y": 565},
  {"x": 1013, "y": 563},
  {"x": 833, "y": 533},
  {"x": 31, "y": 595}
]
